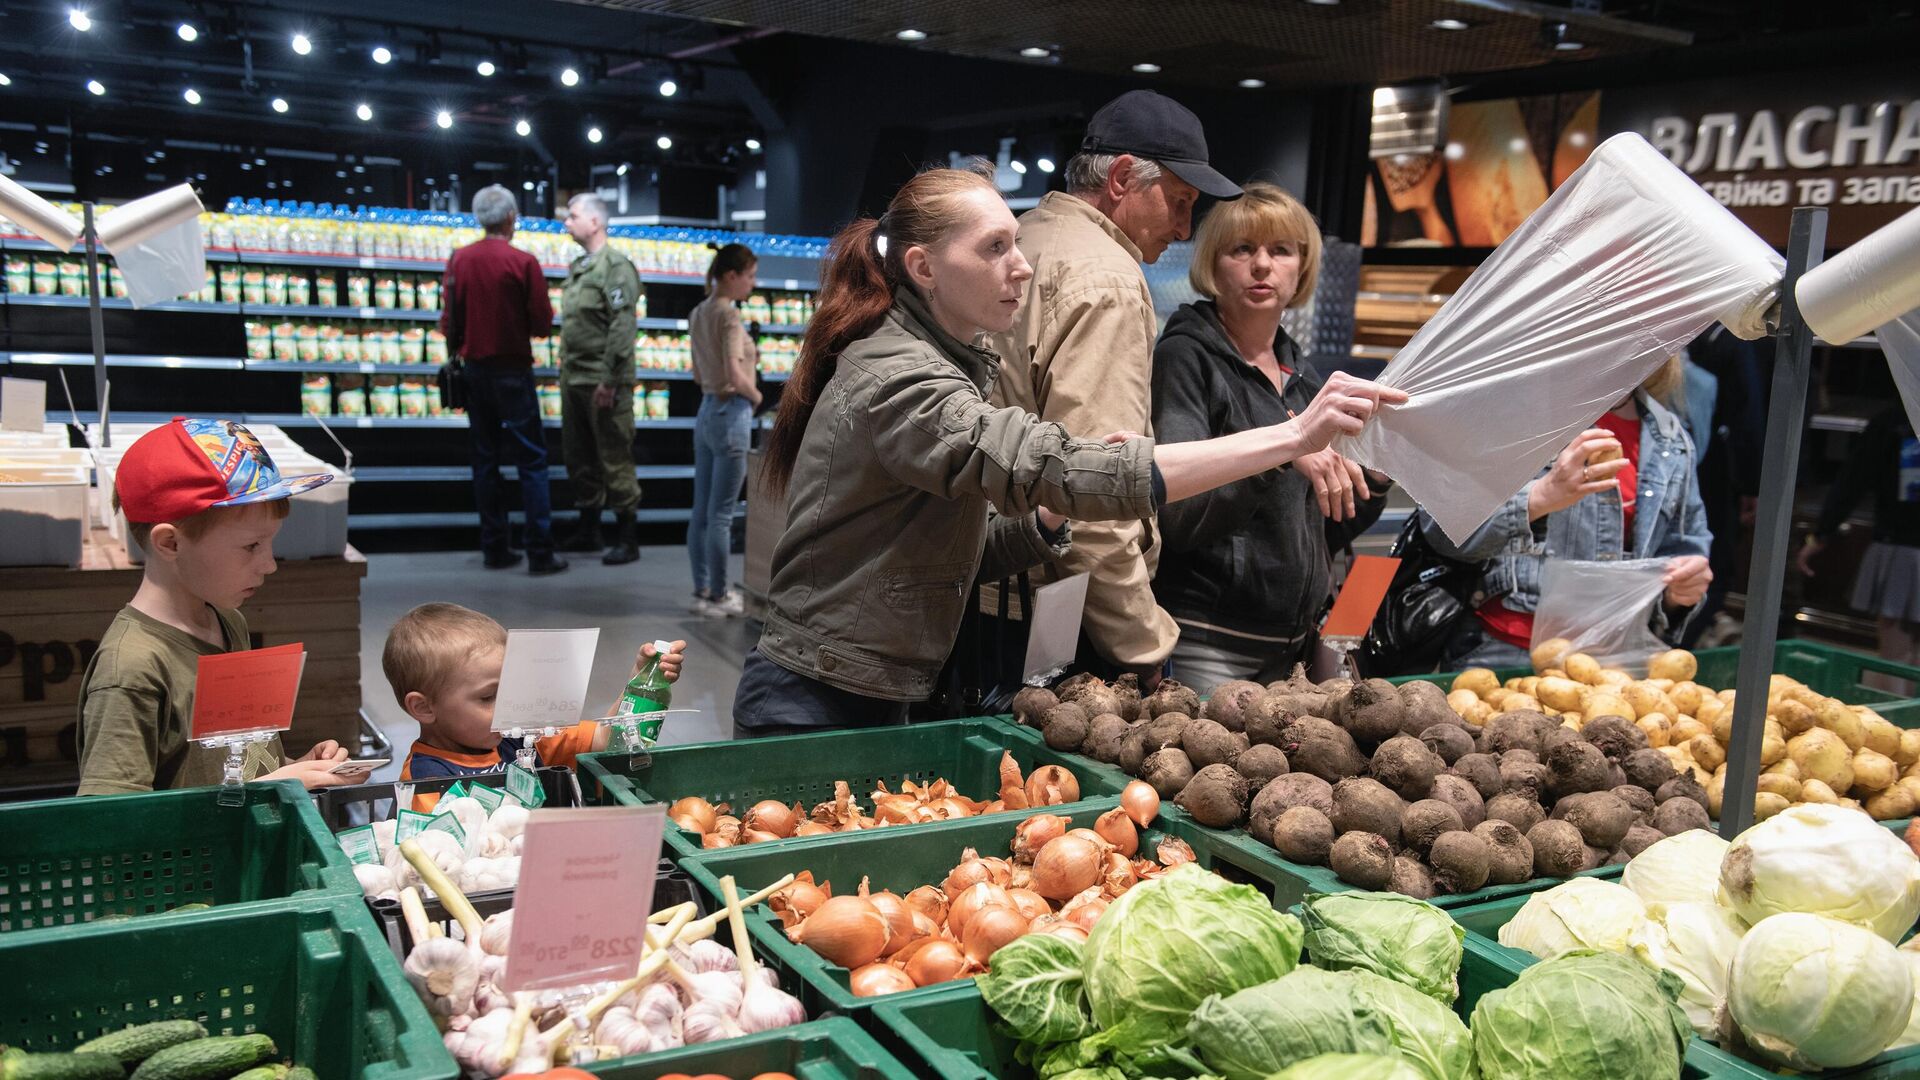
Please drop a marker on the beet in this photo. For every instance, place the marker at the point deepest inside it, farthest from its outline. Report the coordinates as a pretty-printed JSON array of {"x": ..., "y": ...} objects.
[
  {"x": 1616, "y": 736},
  {"x": 1425, "y": 706},
  {"x": 1640, "y": 838},
  {"x": 1517, "y": 730},
  {"x": 1576, "y": 767},
  {"x": 1649, "y": 769},
  {"x": 1031, "y": 704},
  {"x": 1525, "y": 778},
  {"x": 1404, "y": 764},
  {"x": 1519, "y": 809},
  {"x": 1363, "y": 860},
  {"x": 1410, "y": 877},
  {"x": 1216, "y": 797},
  {"x": 1168, "y": 771},
  {"x": 1304, "y": 835},
  {"x": 1558, "y": 850},
  {"x": 1461, "y": 862},
  {"x": 1510, "y": 857},
  {"x": 1283, "y": 793},
  {"x": 1424, "y": 821},
  {"x": 1462, "y": 796},
  {"x": 1371, "y": 712},
  {"x": 1106, "y": 738},
  {"x": 1260, "y": 764},
  {"x": 1208, "y": 743},
  {"x": 1363, "y": 805},
  {"x": 1450, "y": 741},
  {"x": 1229, "y": 703},
  {"x": 1682, "y": 786},
  {"x": 1602, "y": 817},
  {"x": 1482, "y": 771},
  {"x": 1172, "y": 697},
  {"x": 1322, "y": 748},
  {"x": 1067, "y": 726},
  {"x": 1640, "y": 799},
  {"x": 1679, "y": 814}
]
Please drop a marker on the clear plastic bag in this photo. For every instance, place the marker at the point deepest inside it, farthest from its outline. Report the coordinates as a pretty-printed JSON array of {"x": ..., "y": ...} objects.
[
  {"x": 1900, "y": 340},
  {"x": 1623, "y": 265},
  {"x": 157, "y": 243},
  {"x": 1603, "y": 608}
]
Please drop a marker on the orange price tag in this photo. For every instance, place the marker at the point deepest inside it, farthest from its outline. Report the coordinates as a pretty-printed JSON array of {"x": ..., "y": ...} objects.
[
  {"x": 236, "y": 693},
  {"x": 1361, "y": 596}
]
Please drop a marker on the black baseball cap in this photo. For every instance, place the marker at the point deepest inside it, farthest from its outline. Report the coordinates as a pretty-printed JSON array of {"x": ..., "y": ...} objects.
[{"x": 1150, "y": 125}]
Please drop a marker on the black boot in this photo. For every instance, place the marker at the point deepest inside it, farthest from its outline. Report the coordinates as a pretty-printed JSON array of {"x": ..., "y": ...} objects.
[
  {"x": 542, "y": 563},
  {"x": 626, "y": 540},
  {"x": 585, "y": 536}
]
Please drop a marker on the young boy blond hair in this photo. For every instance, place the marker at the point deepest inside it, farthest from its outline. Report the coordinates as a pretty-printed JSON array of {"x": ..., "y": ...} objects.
[
  {"x": 203, "y": 500},
  {"x": 443, "y": 662}
]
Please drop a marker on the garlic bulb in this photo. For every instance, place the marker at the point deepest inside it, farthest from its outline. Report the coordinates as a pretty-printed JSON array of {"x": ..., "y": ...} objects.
[
  {"x": 478, "y": 1047},
  {"x": 764, "y": 1008},
  {"x": 496, "y": 932},
  {"x": 619, "y": 1029},
  {"x": 445, "y": 851},
  {"x": 375, "y": 881},
  {"x": 466, "y": 809},
  {"x": 658, "y": 1006},
  {"x": 445, "y": 973},
  {"x": 486, "y": 875},
  {"x": 518, "y": 843},
  {"x": 708, "y": 955},
  {"x": 491, "y": 845},
  {"x": 721, "y": 989},
  {"x": 509, "y": 821},
  {"x": 705, "y": 1022}
]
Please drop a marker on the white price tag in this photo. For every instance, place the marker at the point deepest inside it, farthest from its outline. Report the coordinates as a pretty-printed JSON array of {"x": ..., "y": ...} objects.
[
  {"x": 543, "y": 680},
  {"x": 1054, "y": 635},
  {"x": 367, "y": 262},
  {"x": 368, "y": 313},
  {"x": 586, "y": 889}
]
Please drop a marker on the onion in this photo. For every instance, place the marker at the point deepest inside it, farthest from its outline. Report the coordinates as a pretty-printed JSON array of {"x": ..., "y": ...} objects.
[
  {"x": 1117, "y": 875},
  {"x": 1090, "y": 837},
  {"x": 894, "y": 809},
  {"x": 1068, "y": 866},
  {"x": 905, "y": 956},
  {"x": 901, "y": 930},
  {"x": 1141, "y": 802},
  {"x": 1032, "y": 834},
  {"x": 847, "y": 930},
  {"x": 773, "y": 816},
  {"x": 688, "y": 822},
  {"x": 952, "y": 808},
  {"x": 1087, "y": 914},
  {"x": 1051, "y": 785},
  {"x": 940, "y": 960},
  {"x": 929, "y": 901},
  {"x": 714, "y": 840},
  {"x": 811, "y": 828},
  {"x": 1041, "y": 923},
  {"x": 1174, "y": 852},
  {"x": 874, "y": 980},
  {"x": 1117, "y": 829},
  {"x": 802, "y": 898},
  {"x": 758, "y": 836},
  {"x": 694, "y": 807},
  {"x": 999, "y": 871},
  {"x": 1029, "y": 903},
  {"x": 728, "y": 826},
  {"x": 1070, "y": 931},
  {"x": 968, "y": 904},
  {"x": 990, "y": 930},
  {"x": 922, "y": 925},
  {"x": 969, "y": 873}
]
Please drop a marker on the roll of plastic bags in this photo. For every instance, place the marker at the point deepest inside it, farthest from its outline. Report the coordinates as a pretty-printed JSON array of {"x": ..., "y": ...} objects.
[
  {"x": 1603, "y": 608},
  {"x": 1900, "y": 340},
  {"x": 1871, "y": 283},
  {"x": 38, "y": 216},
  {"x": 157, "y": 242},
  {"x": 1622, "y": 266}
]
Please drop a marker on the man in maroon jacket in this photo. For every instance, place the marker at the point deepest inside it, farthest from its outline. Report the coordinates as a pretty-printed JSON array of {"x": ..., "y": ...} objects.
[{"x": 495, "y": 301}]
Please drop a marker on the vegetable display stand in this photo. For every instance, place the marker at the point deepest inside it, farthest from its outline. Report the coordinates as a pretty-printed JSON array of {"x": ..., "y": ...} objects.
[
  {"x": 803, "y": 769},
  {"x": 832, "y": 1049},
  {"x": 318, "y": 980},
  {"x": 670, "y": 889},
  {"x": 1483, "y": 923},
  {"x": 350, "y": 805},
  {"x": 902, "y": 859},
  {"x": 71, "y": 861}
]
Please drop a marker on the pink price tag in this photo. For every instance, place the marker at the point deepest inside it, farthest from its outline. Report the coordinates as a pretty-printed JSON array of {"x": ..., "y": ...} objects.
[
  {"x": 586, "y": 889},
  {"x": 237, "y": 693}
]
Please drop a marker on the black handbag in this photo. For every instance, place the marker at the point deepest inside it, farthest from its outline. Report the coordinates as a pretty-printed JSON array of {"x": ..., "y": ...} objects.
[
  {"x": 982, "y": 673},
  {"x": 1429, "y": 597},
  {"x": 452, "y": 378}
]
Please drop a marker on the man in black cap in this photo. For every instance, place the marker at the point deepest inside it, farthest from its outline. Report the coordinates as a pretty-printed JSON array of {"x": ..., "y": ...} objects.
[{"x": 1081, "y": 353}]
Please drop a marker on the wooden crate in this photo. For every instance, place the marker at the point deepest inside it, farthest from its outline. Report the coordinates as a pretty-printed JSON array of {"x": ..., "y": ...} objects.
[{"x": 51, "y": 620}]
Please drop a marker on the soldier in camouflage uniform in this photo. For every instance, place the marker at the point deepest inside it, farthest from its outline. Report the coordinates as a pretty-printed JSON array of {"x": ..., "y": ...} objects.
[{"x": 596, "y": 385}]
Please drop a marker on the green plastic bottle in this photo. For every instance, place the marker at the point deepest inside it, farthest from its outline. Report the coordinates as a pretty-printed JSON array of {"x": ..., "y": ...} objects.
[{"x": 647, "y": 692}]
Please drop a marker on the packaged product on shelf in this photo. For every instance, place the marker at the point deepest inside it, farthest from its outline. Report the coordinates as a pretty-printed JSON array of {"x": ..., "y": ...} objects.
[
  {"x": 403, "y": 294},
  {"x": 350, "y": 395},
  {"x": 307, "y": 340},
  {"x": 326, "y": 288},
  {"x": 433, "y": 398},
  {"x": 359, "y": 290},
  {"x": 285, "y": 343},
  {"x": 330, "y": 343},
  {"x": 384, "y": 398},
  {"x": 210, "y": 292},
  {"x": 299, "y": 291},
  {"x": 436, "y": 346},
  {"x": 259, "y": 341},
  {"x": 276, "y": 287},
  {"x": 253, "y": 286},
  {"x": 756, "y": 309},
  {"x": 428, "y": 289},
  {"x": 640, "y": 305},
  {"x": 549, "y": 395},
  {"x": 316, "y": 395},
  {"x": 73, "y": 278},
  {"x": 46, "y": 277},
  {"x": 19, "y": 274},
  {"x": 230, "y": 292},
  {"x": 116, "y": 285},
  {"x": 386, "y": 292},
  {"x": 390, "y": 351},
  {"x": 413, "y": 398},
  {"x": 413, "y": 342},
  {"x": 658, "y": 402},
  {"x": 554, "y": 293},
  {"x": 641, "y": 399}
]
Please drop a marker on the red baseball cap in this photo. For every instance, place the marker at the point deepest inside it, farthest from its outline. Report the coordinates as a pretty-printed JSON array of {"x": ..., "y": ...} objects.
[{"x": 176, "y": 471}]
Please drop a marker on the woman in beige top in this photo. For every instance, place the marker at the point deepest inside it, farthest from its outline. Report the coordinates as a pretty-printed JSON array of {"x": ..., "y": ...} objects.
[{"x": 724, "y": 362}]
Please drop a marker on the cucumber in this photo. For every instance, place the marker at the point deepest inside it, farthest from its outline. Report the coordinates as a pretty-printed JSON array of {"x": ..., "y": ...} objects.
[
  {"x": 301, "y": 1072},
  {"x": 263, "y": 1072},
  {"x": 23, "y": 1066},
  {"x": 207, "y": 1059},
  {"x": 135, "y": 1044}
]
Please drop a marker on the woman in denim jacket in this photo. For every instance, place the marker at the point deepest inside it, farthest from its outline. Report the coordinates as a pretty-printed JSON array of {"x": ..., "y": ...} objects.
[{"x": 1576, "y": 510}]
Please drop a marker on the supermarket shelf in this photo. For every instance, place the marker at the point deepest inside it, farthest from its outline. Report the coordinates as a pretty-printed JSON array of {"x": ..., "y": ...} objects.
[
  {"x": 470, "y": 519},
  {"x": 1374, "y": 352},
  {"x": 27, "y": 243},
  {"x": 324, "y": 311},
  {"x": 343, "y": 367},
  {"x": 409, "y": 474},
  {"x": 113, "y": 303},
  {"x": 1852, "y": 425},
  {"x": 208, "y": 363}
]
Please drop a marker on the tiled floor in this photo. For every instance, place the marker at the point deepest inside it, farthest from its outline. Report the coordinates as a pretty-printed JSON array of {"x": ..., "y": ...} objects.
[{"x": 630, "y": 604}]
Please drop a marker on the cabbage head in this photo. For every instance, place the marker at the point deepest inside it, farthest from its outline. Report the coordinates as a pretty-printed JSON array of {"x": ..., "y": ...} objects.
[
  {"x": 1348, "y": 1067},
  {"x": 1696, "y": 942},
  {"x": 1582, "y": 1016},
  {"x": 1431, "y": 1038},
  {"x": 1168, "y": 944},
  {"x": 1311, "y": 1012},
  {"x": 1398, "y": 937},
  {"x": 1579, "y": 913},
  {"x": 1911, "y": 1036},
  {"x": 1037, "y": 987},
  {"x": 1682, "y": 869},
  {"x": 1823, "y": 860},
  {"x": 1812, "y": 992}
]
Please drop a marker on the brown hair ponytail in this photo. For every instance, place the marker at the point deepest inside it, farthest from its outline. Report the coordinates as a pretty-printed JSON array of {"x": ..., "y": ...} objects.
[
  {"x": 856, "y": 291},
  {"x": 729, "y": 259}
]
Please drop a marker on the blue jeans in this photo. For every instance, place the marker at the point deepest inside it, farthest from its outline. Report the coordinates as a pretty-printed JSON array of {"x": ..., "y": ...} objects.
[
  {"x": 505, "y": 423},
  {"x": 722, "y": 432}
]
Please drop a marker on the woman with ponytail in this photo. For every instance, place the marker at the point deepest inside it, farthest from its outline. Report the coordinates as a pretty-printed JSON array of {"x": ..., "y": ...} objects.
[
  {"x": 724, "y": 365},
  {"x": 891, "y": 459}
]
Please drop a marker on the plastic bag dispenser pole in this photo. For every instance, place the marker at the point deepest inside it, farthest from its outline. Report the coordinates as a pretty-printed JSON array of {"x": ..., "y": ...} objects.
[
  {"x": 1766, "y": 578},
  {"x": 96, "y": 324}
]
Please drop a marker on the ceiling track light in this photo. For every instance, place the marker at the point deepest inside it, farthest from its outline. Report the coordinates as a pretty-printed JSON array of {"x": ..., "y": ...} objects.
[
  {"x": 191, "y": 96},
  {"x": 364, "y": 111},
  {"x": 485, "y": 68},
  {"x": 594, "y": 134},
  {"x": 1147, "y": 68},
  {"x": 79, "y": 20},
  {"x": 279, "y": 104},
  {"x": 96, "y": 88},
  {"x": 664, "y": 142},
  {"x": 1448, "y": 24},
  {"x": 382, "y": 54},
  {"x": 569, "y": 77},
  {"x": 522, "y": 128},
  {"x": 911, "y": 34},
  {"x": 444, "y": 119},
  {"x": 668, "y": 87},
  {"x": 302, "y": 44},
  {"x": 187, "y": 32}
]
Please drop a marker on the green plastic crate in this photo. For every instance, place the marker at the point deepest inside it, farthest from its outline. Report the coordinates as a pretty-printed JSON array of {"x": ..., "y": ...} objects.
[
  {"x": 803, "y": 768},
  {"x": 901, "y": 860},
  {"x": 70, "y": 861},
  {"x": 832, "y": 1049},
  {"x": 318, "y": 979},
  {"x": 1483, "y": 925}
]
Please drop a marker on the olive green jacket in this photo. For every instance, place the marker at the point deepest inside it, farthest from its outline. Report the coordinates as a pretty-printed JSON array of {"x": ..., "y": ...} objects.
[
  {"x": 888, "y": 506},
  {"x": 597, "y": 322}
]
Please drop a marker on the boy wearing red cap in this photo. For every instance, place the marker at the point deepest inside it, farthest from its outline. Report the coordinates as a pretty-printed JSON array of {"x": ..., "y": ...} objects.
[{"x": 203, "y": 500}]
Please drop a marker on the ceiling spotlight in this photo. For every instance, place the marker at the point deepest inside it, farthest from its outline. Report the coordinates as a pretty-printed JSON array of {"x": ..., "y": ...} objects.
[
  {"x": 622, "y": 170},
  {"x": 302, "y": 44},
  {"x": 485, "y": 68},
  {"x": 382, "y": 54},
  {"x": 569, "y": 77},
  {"x": 259, "y": 161},
  {"x": 664, "y": 142},
  {"x": 246, "y": 166},
  {"x": 753, "y": 145},
  {"x": 593, "y": 135},
  {"x": 522, "y": 128},
  {"x": 95, "y": 88},
  {"x": 1019, "y": 166},
  {"x": 78, "y": 20},
  {"x": 1448, "y": 24},
  {"x": 1555, "y": 35},
  {"x": 4, "y": 81},
  {"x": 444, "y": 119},
  {"x": 668, "y": 88},
  {"x": 1324, "y": 3},
  {"x": 279, "y": 104},
  {"x": 1252, "y": 84},
  {"x": 192, "y": 95},
  {"x": 912, "y": 35},
  {"x": 1046, "y": 164},
  {"x": 1147, "y": 69},
  {"x": 1036, "y": 52},
  {"x": 188, "y": 32},
  {"x": 364, "y": 111}
]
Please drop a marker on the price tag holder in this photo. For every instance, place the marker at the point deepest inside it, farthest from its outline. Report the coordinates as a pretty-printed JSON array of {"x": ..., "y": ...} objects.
[
  {"x": 361, "y": 845},
  {"x": 246, "y": 693},
  {"x": 23, "y": 405},
  {"x": 1053, "y": 637},
  {"x": 586, "y": 889},
  {"x": 488, "y": 798},
  {"x": 543, "y": 680},
  {"x": 1359, "y": 601},
  {"x": 448, "y": 824},
  {"x": 411, "y": 823}
]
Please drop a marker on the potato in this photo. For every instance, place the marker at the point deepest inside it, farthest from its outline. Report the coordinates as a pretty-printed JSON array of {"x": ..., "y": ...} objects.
[
  {"x": 1784, "y": 767},
  {"x": 1529, "y": 685},
  {"x": 1547, "y": 654},
  {"x": 1480, "y": 713},
  {"x": 1873, "y": 772},
  {"x": 1614, "y": 678},
  {"x": 1687, "y": 696},
  {"x": 1657, "y": 728},
  {"x": 1477, "y": 679},
  {"x": 1852, "y": 804},
  {"x": 1822, "y": 756},
  {"x": 1554, "y": 673},
  {"x": 1912, "y": 786},
  {"x": 1766, "y": 804},
  {"x": 1497, "y": 695},
  {"x": 1666, "y": 685},
  {"x": 1558, "y": 693},
  {"x": 1516, "y": 702},
  {"x": 1716, "y": 789},
  {"x": 1462, "y": 700},
  {"x": 1784, "y": 786},
  {"x": 1722, "y": 727},
  {"x": 1793, "y": 716},
  {"x": 1709, "y": 710},
  {"x": 1882, "y": 736},
  {"x": 1817, "y": 791},
  {"x": 1707, "y": 751},
  {"x": 1894, "y": 802},
  {"x": 1843, "y": 722},
  {"x": 1686, "y": 728},
  {"x": 1644, "y": 697},
  {"x": 1909, "y": 752},
  {"x": 1583, "y": 668},
  {"x": 1773, "y": 746},
  {"x": 1607, "y": 703},
  {"x": 1676, "y": 664}
]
